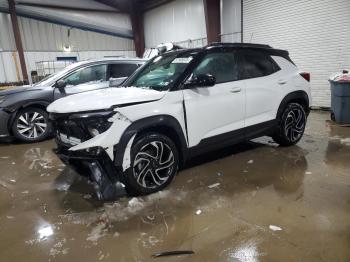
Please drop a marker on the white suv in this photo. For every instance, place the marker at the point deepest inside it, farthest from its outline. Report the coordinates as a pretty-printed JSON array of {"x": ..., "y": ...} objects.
[{"x": 178, "y": 105}]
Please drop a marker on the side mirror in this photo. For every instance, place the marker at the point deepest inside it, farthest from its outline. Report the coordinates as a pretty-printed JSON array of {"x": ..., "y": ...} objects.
[
  {"x": 114, "y": 82},
  {"x": 61, "y": 84},
  {"x": 206, "y": 80}
]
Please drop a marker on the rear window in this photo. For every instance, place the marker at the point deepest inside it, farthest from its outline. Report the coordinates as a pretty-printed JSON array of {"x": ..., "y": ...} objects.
[{"x": 256, "y": 64}]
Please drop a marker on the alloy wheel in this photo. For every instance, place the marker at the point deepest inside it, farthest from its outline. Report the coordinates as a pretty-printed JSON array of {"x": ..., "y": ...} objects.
[
  {"x": 153, "y": 164},
  {"x": 294, "y": 124},
  {"x": 31, "y": 125}
]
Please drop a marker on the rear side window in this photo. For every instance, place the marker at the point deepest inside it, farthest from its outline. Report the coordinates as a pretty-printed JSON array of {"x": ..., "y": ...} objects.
[
  {"x": 222, "y": 65},
  {"x": 122, "y": 70},
  {"x": 256, "y": 64}
]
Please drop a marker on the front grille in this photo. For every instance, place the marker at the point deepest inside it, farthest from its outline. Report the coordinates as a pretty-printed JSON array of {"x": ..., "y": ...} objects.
[{"x": 72, "y": 129}]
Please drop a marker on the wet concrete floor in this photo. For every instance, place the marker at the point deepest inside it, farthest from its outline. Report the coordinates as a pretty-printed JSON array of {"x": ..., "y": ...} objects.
[{"x": 251, "y": 202}]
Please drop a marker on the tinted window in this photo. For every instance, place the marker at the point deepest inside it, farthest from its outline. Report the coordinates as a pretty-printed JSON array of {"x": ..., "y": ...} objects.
[
  {"x": 92, "y": 74},
  {"x": 221, "y": 65},
  {"x": 122, "y": 70},
  {"x": 257, "y": 64}
]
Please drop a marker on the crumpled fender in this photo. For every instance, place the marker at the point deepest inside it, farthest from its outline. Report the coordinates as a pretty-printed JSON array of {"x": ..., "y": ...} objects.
[{"x": 109, "y": 138}]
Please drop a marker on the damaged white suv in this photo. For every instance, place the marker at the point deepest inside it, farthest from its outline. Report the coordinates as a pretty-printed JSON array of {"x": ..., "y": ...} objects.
[{"x": 178, "y": 105}]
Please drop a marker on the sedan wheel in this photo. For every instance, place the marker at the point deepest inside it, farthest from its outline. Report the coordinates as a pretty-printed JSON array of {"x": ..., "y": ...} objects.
[{"x": 31, "y": 125}]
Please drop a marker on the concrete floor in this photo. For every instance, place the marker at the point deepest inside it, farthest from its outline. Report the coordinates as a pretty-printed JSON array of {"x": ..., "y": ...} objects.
[{"x": 266, "y": 204}]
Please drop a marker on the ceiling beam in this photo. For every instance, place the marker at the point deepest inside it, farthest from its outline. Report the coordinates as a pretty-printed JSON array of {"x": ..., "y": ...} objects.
[{"x": 66, "y": 7}]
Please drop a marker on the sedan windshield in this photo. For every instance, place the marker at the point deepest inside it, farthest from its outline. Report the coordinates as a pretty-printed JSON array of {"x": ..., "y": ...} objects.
[{"x": 162, "y": 72}]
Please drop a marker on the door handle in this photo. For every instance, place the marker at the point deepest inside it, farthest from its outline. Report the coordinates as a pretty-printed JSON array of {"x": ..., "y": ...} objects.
[
  {"x": 236, "y": 90},
  {"x": 282, "y": 82}
]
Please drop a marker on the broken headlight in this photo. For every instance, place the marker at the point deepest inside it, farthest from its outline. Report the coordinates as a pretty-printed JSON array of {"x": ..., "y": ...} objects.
[
  {"x": 97, "y": 126},
  {"x": 94, "y": 123}
]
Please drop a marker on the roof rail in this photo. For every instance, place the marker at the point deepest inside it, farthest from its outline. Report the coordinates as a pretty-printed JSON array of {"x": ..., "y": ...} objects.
[{"x": 238, "y": 45}]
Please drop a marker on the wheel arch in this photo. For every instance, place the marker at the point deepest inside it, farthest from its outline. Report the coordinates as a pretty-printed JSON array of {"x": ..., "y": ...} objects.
[
  {"x": 14, "y": 111},
  {"x": 163, "y": 124},
  {"x": 300, "y": 97}
]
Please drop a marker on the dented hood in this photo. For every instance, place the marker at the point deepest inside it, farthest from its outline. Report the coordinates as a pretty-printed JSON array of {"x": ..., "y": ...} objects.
[{"x": 103, "y": 99}]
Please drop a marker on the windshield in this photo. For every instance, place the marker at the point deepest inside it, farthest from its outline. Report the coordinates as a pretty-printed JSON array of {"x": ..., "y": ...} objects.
[
  {"x": 48, "y": 80},
  {"x": 162, "y": 72}
]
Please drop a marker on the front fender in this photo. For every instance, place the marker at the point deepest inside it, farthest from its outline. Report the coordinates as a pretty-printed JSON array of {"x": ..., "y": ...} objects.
[{"x": 149, "y": 123}]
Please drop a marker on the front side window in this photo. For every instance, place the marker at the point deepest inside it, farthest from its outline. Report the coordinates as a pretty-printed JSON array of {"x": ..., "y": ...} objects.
[
  {"x": 122, "y": 70},
  {"x": 162, "y": 72},
  {"x": 221, "y": 65},
  {"x": 87, "y": 75},
  {"x": 256, "y": 64}
]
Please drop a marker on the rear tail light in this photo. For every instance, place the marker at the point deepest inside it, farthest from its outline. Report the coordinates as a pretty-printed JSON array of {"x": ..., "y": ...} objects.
[{"x": 306, "y": 76}]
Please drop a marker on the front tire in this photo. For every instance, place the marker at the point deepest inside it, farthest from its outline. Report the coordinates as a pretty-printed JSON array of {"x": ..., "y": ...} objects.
[
  {"x": 154, "y": 164},
  {"x": 31, "y": 125},
  {"x": 291, "y": 125}
]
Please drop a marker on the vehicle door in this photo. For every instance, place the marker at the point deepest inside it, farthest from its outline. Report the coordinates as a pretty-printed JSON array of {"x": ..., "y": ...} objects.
[
  {"x": 264, "y": 86},
  {"x": 214, "y": 113},
  {"x": 84, "y": 79}
]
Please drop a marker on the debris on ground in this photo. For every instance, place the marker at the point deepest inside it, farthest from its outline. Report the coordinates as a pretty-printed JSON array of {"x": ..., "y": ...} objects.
[
  {"x": 87, "y": 196},
  {"x": 173, "y": 253},
  {"x": 214, "y": 185},
  {"x": 58, "y": 249},
  {"x": 102, "y": 256},
  {"x": 4, "y": 184},
  {"x": 275, "y": 228},
  {"x": 308, "y": 173},
  {"x": 198, "y": 212},
  {"x": 25, "y": 192},
  {"x": 345, "y": 141},
  {"x": 97, "y": 232},
  {"x": 250, "y": 161}
]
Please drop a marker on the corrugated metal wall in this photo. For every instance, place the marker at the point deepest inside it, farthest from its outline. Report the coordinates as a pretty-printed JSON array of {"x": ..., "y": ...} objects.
[
  {"x": 183, "y": 22},
  {"x": 316, "y": 33},
  {"x": 44, "y": 42},
  {"x": 177, "y": 21},
  {"x": 231, "y": 20}
]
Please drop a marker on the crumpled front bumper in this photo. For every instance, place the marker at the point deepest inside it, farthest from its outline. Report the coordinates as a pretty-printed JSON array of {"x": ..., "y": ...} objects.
[{"x": 98, "y": 168}]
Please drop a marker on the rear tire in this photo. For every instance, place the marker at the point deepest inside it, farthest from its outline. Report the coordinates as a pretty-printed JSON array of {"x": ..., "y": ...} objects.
[
  {"x": 154, "y": 164},
  {"x": 291, "y": 125},
  {"x": 31, "y": 125}
]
